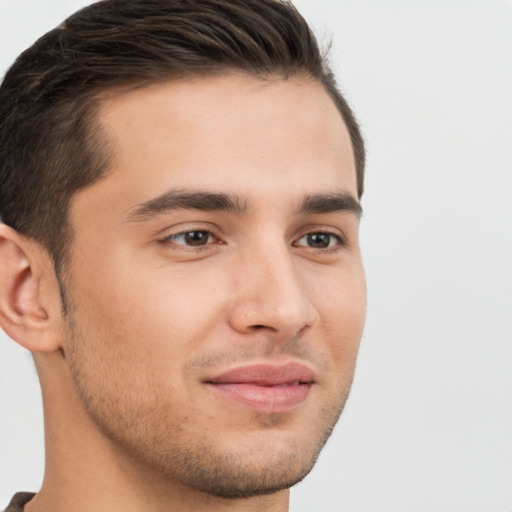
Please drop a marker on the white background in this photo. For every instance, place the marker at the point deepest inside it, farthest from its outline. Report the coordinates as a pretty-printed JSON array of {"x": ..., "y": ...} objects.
[{"x": 428, "y": 427}]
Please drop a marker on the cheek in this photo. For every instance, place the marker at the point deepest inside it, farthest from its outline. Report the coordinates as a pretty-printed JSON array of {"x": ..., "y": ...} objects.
[
  {"x": 343, "y": 312},
  {"x": 156, "y": 313}
]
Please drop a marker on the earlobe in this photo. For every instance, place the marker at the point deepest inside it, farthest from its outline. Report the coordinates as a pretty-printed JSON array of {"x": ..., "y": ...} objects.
[{"x": 27, "y": 311}]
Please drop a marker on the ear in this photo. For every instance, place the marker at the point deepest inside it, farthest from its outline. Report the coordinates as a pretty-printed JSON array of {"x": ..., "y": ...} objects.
[{"x": 30, "y": 305}]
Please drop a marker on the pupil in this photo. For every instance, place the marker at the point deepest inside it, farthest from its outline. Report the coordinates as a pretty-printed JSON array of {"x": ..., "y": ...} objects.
[
  {"x": 319, "y": 240},
  {"x": 196, "y": 238}
]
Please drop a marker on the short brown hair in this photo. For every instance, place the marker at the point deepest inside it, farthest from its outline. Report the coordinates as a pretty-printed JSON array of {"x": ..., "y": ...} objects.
[{"x": 50, "y": 144}]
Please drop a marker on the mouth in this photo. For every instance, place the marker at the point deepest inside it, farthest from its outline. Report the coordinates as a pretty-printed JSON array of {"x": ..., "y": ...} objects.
[{"x": 264, "y": 387}]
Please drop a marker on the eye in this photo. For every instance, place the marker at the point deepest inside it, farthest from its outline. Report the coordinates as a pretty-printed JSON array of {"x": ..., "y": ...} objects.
[
  {"x": 195, "y": 238},
  {"x": 319, "y": 241}
]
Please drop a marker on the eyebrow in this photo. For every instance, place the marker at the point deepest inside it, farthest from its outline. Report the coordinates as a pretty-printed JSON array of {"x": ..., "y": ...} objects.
[
  {"x": 184, "y": 200},
  {"x": 331, "y": 203},
  {"x": 231, "y": 203}
]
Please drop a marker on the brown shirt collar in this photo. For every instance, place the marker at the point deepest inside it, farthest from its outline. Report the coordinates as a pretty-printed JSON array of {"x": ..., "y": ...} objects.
[{"x": 18, "y": 501}]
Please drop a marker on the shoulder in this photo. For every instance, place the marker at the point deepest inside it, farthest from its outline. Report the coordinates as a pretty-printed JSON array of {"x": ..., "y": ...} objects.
[{"x": 18, "y": 501}]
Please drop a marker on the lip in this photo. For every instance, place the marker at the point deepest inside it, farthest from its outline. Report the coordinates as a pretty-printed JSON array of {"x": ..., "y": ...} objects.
[{"x": 267, "y": 388}]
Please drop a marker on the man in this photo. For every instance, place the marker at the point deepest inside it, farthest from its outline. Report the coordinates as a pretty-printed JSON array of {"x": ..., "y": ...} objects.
[{"x": 179, "y": 186}]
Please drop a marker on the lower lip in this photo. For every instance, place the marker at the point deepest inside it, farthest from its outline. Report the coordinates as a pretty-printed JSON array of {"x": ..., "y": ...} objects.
[{"x": 265, "y": 399}]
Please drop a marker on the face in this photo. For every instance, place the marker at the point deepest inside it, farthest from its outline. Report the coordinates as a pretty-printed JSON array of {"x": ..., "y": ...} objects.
[{"x": 216, "y": 290}]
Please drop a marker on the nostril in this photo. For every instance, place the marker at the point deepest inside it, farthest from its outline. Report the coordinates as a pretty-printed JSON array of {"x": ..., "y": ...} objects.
[{"x": 261, "y": 327}]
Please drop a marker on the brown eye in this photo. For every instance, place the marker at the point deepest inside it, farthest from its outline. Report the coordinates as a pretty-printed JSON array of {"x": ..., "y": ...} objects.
[
  {"x": 191, "y": 238},
  {"x": 196, "y": 237},
  {"x": 319, "y": 241}
]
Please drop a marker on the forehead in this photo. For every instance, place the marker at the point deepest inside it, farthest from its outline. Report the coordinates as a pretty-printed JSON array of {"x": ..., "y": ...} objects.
[{"x": 228, "y": 133}]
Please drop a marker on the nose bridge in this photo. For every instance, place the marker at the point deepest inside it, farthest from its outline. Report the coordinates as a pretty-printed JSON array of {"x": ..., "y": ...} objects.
[{"x": 270, "y": 292}]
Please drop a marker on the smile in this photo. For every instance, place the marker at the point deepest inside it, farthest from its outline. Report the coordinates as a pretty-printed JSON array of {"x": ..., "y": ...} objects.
[{"x": 265, "y": 388}]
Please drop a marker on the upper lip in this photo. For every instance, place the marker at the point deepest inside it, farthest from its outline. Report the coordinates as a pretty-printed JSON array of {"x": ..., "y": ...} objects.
[{"x": 264, "y": 374}]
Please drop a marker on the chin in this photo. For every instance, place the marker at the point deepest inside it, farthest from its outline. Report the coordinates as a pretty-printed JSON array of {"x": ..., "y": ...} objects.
[{"x": 234, "y": 478}]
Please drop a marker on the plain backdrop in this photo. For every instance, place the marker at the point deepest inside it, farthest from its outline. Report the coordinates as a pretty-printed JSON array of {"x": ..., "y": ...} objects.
[{"x": 428, "y": 427}]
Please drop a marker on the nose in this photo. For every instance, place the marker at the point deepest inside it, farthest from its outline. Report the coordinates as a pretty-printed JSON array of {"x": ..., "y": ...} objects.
[{"x": 270, "y": 295}]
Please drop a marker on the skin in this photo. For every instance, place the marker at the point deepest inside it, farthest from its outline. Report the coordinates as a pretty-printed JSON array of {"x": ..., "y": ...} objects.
[{"x": 129, "y": 422}]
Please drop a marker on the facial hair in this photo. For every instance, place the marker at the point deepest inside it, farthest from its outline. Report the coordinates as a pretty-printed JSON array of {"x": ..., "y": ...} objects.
[{"x": 143, "y": 419}]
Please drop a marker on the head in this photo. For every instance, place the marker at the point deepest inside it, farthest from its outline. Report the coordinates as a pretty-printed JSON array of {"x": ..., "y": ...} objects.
[{"x": 190, "y": 173}]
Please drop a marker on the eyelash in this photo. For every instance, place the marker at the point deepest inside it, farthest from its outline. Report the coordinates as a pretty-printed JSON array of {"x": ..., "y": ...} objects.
[
  {"x": 340, "y": 241},
  {"x": 171, "y": 239}
]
